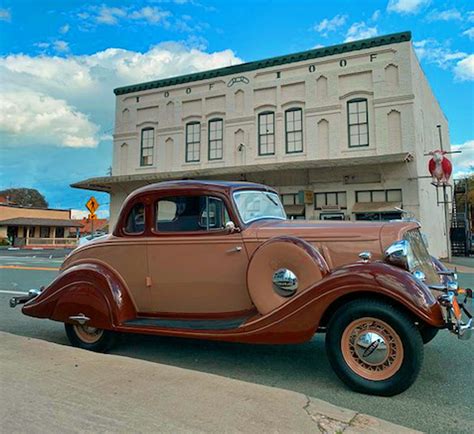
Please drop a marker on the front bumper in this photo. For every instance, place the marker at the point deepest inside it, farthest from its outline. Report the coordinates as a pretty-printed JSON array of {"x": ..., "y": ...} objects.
[
  {"x": 458, "y": 316},
  {"x": 32, "y": 293}
]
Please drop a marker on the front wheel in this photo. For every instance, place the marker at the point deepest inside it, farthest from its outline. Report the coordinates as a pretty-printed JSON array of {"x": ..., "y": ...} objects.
[
  {"x": 90, "y": 338},
  {"x": 374, "y": 347}
]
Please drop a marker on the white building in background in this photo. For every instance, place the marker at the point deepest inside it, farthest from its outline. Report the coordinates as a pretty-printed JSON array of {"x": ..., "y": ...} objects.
[{"x": 340, "y": 131}]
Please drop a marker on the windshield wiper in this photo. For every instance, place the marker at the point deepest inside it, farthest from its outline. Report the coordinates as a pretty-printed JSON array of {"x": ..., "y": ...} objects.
[{"x": 272, "y": 200}]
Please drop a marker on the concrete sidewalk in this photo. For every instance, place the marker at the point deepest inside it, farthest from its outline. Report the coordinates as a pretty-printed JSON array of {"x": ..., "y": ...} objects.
[{"x": 46, "y": 387}]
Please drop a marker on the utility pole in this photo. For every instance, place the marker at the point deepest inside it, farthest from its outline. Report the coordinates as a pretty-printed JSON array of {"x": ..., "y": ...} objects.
[{"x": 445, "y": 203}]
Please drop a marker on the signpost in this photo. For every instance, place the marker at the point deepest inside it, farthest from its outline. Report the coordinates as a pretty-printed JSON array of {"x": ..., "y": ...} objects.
[
  {"x": 440, "y": 168},
  {"x": 92, "y": 205}
]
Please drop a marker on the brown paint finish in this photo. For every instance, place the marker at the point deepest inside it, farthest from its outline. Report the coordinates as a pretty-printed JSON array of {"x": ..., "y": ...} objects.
[{"x": 204, "y": 275}]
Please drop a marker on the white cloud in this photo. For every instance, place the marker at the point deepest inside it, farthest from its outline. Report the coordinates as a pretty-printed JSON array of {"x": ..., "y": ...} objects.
[
  {"x": 64, "y": 29},
  {"x": 57, "y": 100},
  {"x": 360, "y": 31},
  {"x": 114, "y": 15},
  {"x": 79, "y": 214},
  {"x": 447, "y": 15},
  {"x": 152, "y": 15},
  {"x": 330, "y": 25},
  {"x": 109, "y": 15},
  {"x": 61, "y": 46},
  {"x": 376, "y": 15},
  {"x": 469, "y": 33},
  {"x": 5, "y": 15},
  {"x": 31, "y": 116},
  {"x": 464, "y": 69},
  {"x": 431, "y": 51},
  {"x": 406, "y": 6},
  {"x": 464, "y": 162}
]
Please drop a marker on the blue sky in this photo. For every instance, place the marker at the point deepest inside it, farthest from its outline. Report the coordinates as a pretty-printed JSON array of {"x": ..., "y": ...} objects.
[{"x": 60, "y": 60}]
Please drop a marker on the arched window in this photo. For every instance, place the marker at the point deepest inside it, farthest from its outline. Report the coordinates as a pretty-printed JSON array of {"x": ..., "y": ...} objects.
[
  {"x": 266, "y": 133},
  {"x": 294, "y": 130},
  {"x": 216, "y": 139},
  {"x": 147, "y": 147},
  {"x": 358, "y": 122},
  {"x": 193, "y": 142}
]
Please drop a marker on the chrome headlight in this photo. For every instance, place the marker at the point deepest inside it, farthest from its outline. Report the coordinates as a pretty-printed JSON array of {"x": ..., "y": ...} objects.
[{"x": 399, "y": 254}]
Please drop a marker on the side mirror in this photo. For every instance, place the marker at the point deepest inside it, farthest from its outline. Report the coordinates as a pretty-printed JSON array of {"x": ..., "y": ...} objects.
[{"x": 230, "y": 227}]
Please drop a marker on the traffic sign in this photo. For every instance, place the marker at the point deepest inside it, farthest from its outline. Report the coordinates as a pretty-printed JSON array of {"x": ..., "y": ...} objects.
[
  {"x": 92, "y": 216},
  {"x": 92, "y": 205}
]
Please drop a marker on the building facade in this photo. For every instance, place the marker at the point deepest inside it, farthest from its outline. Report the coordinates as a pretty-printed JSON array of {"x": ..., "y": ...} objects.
[
  {"x": 340, "y": 131},
  {"x": 37, "y": 227}
]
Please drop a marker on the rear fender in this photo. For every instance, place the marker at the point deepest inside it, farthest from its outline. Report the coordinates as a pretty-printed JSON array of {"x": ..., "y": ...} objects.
[{"x": 91, "y": 289}]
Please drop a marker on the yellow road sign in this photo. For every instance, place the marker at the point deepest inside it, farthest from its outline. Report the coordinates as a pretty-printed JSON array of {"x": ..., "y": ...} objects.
[
  {"x": 92, "y": 205},
  {"x": 92, "y": 216}
]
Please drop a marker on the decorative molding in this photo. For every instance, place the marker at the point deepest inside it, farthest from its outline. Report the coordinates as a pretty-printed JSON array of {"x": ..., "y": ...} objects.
[
  {"x": 394, "y": 38},
  {"x": 355, "y": 93}
]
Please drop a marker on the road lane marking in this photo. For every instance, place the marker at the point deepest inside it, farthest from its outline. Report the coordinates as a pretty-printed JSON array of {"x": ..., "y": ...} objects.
[
  {"x": 18, "y": 267},
  {"x": 13, "y": 292}
]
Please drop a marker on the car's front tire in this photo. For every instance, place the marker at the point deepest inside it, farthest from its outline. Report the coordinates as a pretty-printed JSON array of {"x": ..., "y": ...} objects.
[
  {"x": 90, "y": 338},
  {"x": 374, "y": 347}
]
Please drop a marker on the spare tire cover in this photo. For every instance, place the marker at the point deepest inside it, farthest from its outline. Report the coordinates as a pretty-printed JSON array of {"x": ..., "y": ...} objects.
[{"x": 290, "y": 253}]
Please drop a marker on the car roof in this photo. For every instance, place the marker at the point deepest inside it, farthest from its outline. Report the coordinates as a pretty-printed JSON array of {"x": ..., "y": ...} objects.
[{"x": 194, "y": 185}]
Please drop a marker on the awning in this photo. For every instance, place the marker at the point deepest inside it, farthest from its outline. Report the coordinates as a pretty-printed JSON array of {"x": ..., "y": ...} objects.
[
  {"x": 105, "y": 183},
  {"x": 376, "y": 207},
  {"x": 294, "y": 209},
  {"x": 37, "y": 221}
]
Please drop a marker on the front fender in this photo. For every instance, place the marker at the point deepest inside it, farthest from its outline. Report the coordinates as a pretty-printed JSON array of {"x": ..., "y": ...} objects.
[
  {"x": 386, "y": 280},
  {"x": 91, "y": 289}
]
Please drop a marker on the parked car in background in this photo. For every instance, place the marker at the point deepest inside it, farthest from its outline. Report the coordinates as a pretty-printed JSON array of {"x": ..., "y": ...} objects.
[
  {"x": 220, "y": 261},
  {"x": 86, "y": 238}
]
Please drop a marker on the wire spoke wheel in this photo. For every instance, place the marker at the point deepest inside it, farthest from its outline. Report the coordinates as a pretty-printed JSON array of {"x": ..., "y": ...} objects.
[
  {"x": 89, "y": 335},
  {"x": 372, "y": 349}
]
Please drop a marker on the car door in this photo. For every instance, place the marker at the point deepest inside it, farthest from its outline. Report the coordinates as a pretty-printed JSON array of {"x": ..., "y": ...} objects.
[{"x": 197, "y": 267}]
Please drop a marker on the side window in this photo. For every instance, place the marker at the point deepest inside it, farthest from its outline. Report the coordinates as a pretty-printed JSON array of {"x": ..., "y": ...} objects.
[
  {"x": 190, "y": 214},
  {"x": 136, "y": 220}
]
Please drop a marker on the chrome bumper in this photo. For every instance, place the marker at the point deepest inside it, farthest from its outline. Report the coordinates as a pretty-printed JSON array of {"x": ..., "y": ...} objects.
[
  {"x": 22, "y": 299},
  {"x": 458, "y": 316}
]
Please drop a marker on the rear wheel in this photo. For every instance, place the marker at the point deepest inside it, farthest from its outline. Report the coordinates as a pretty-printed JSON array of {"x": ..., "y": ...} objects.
[
  {"x": 90, "y": 338},
  {"x": 374, "y": 347}
]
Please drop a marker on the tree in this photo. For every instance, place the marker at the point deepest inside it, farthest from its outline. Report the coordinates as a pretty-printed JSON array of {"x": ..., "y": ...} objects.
[{"x": 25, "y": 197}]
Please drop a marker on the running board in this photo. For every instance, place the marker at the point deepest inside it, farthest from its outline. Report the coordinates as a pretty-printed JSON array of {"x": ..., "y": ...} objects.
[{"x": 190, "y": 324}]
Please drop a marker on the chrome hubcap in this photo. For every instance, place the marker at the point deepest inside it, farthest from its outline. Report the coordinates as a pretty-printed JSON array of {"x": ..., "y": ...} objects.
[
  {"x": 371, "y": 348},
  {"x": 285, "y": 282}
]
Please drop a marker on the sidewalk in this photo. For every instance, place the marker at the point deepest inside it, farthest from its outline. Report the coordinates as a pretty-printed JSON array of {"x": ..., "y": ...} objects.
[{"x": 52, "y": 388}]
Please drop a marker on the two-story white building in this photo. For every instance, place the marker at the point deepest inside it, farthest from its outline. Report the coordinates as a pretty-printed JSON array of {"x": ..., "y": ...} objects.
[{"x": 340, "y": 131}]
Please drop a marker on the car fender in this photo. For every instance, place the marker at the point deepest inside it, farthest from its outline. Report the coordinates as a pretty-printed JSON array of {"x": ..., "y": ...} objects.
[
  {"x": 379, "y": 279},
  {"x": 91, "y": 289}
]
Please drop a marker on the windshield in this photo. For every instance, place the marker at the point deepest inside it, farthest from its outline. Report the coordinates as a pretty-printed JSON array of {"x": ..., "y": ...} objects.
[
  {"x": 419, "y": 258},
  {"x": 257, "y": 204}
]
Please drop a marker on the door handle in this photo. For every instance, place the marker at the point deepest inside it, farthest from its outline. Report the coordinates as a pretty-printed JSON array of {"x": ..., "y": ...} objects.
[{"x": 235, "y": 249}]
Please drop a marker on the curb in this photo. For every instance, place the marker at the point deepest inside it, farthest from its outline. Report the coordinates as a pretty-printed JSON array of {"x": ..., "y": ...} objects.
[{"x": 55, "y": 388}]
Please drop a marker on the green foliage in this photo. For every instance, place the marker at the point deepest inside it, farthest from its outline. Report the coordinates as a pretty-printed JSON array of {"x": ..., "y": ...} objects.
[{"x": 29, "y": 197}]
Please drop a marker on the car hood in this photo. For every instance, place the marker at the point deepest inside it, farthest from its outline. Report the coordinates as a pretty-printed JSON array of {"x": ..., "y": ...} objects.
[{"x": 340, "y": 242}]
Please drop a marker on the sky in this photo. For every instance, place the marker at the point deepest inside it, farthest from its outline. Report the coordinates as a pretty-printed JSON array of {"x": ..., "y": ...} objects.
[{"x": 60, "y": 61}]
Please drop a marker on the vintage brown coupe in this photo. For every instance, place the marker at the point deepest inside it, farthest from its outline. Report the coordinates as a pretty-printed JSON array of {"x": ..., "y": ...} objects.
[{"x": 219, "y": 260}]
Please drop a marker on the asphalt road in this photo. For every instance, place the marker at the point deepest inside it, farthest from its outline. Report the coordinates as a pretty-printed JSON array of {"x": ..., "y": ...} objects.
[{"x": 440, "y": 401}]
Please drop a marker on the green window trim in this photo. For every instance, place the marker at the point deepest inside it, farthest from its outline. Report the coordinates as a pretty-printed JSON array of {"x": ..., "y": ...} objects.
[
  {"x": 358, "y": 124},
  {"x": 193, "y": 143},
  {"x": 148, "y": 149},
  {"x": 293, "y": 131},
  {"x": 266, "y": 134},
  {"x": 218, "y": 141}
]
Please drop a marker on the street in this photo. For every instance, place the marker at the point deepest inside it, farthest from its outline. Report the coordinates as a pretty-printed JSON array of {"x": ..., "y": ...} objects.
[{"x": 440, "y": 401}]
